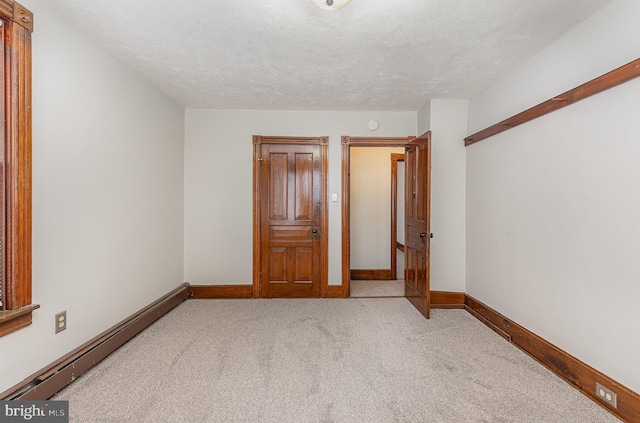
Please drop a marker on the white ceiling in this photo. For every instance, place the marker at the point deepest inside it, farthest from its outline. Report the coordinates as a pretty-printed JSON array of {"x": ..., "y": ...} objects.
[{"x": 289, "y": 55}]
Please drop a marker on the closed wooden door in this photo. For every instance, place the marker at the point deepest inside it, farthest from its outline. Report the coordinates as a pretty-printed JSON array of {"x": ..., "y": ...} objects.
[
  {"x": 417, "y": 235},
  {"x": 290, "y": 220}
]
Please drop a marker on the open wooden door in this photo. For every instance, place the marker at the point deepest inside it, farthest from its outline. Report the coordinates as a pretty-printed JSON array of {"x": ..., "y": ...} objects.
[
  {"x": 291, "y": 206},
  {"x": 417, "y": 235}
]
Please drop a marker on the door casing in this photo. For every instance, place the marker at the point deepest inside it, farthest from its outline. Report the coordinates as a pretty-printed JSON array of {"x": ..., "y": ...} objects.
[
  {"x": 347, "y": 143},
  {"x": 323, "y": 142}
]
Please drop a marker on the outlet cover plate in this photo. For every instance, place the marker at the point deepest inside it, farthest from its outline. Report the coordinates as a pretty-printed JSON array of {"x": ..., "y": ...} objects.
[
  {"x": 61, "y": 321},
  {"x": 606, "y": 395}
]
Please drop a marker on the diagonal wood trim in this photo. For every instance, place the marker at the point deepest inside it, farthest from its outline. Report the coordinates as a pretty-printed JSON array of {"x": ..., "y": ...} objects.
[
  {"x": 563, "y": 364},
  {"x": 51, "y": 379},
  {"x": 604, "y": 82},
  {"x": 233, "y": 292},
  {"x": 6, "y": 9}
]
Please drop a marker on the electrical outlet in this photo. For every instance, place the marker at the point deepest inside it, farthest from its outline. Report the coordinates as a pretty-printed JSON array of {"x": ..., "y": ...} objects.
[
  {"x": 61, "y": 321},
  {"x": 607, "y": 395}
]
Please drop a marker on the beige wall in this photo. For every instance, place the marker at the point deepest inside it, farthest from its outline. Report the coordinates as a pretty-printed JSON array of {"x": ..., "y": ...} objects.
[
  {"x": 371, "y": 207},
  {"x": 107, "y": 194},
  {"x": 218, "y": 182},
  {"x": 447, "y": 120},
  {"x": 553, "y": 205}
]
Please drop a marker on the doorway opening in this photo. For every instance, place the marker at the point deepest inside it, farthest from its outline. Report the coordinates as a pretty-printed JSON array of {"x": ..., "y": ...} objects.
[
  {"x": 417, "y": 205},
  {"x": 350, "y": 272}
]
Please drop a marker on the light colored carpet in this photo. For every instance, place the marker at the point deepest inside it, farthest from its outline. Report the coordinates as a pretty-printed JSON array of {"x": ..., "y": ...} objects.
[
  {"x": 364, "y": 289},
  {"x": 355, "y": 360}
]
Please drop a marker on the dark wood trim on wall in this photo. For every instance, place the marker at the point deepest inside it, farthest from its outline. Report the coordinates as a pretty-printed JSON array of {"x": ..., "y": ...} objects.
[
  {"x": 199, "y": 292},
  {"x": 347, "y": 143},
  {"x": 15, "y": 157},
  {"x": 323, "y": 142},
  {"x": 395, "y": 158},
  {"x": 445, "y": 299},
  {"x": 46, "y": 382},
  {"x": 12, "y": 320},
  {"x": 372, "y": 275},
  {"x": 334, "y": 291},
  {"x": 400, "y": 246},
  {"x": 567, "y": 367},
  {"x": 604, "y": 82}
]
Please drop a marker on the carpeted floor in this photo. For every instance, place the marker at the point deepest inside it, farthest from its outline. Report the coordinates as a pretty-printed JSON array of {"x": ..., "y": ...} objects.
[
  {"x": 372, "y": 289},
  {"x": 356, "y": 360}
]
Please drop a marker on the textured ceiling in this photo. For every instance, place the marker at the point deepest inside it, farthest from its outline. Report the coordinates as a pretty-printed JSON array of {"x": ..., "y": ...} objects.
[{"x": 289, "y": 55}]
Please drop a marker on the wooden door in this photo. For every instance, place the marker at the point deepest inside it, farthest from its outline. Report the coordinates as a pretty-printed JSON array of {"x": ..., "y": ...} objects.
[
  {"x": 417, "y": 235},
  {"x": 291, "y": 220}
]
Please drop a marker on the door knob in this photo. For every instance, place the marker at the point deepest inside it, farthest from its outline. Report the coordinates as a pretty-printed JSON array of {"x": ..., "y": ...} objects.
[{"x": 314, "y": 230}]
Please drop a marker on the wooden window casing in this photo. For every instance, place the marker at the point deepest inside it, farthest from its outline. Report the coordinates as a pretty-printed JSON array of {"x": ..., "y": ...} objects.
[{"x": 15, "y": 167}]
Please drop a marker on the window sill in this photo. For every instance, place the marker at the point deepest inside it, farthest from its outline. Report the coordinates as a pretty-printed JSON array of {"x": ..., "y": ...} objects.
[{"x": 12, "y": 320}]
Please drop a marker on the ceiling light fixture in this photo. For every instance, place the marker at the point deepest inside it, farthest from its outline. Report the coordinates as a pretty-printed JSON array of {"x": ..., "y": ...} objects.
[{"x": 330, "y": 4}]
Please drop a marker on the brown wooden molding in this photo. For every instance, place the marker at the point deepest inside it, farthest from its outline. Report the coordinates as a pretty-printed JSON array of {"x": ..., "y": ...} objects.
[
  {"x": 221, "y": 292},
  {"x": 22, "y": 16},
  {"x": 446, "y": 300},
  {"x": 346, "y": 218},
  {"x": 334, "y": 291},
  {"x": 6, "y": 9},
  {"x": 12, "y": 320},
  {"x": 46, "y": 382},
  {"x": 400, "y": 246},
  {"x": 563, "y": 364},
  {"x": 259, "y": 139},
  {"x": 15, "y": 155},
  {"x": 375, "y": 142},
  {"x": 372, "y": 275},
  {"x": 395, "y": 158},
  {"x": 604, "y": 82}
]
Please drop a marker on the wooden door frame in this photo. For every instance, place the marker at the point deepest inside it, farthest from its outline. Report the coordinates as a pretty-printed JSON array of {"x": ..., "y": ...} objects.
[
  {"x": 347, "y": 143},
  {"x": 395, "y": 158},
  {"x": 323, "y": 142}
]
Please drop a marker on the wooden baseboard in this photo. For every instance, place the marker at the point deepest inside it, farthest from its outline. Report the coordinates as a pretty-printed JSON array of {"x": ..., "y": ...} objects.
[
  {"x": 371, "y": 275},
  {"x": 563, "y": 364},
  {"x": 445, "y": 299},
  {"x": 213, "y": 292},
  {"x": 334, "y": 291},
  {"x": 46, "y": 382}
]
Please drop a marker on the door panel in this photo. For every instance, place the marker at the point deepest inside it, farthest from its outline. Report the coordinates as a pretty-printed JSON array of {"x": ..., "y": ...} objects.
[
  {"x": 278, "y": 186},
  {"x": 417, "y": 201},
  {"x": 290, "y": 220}
]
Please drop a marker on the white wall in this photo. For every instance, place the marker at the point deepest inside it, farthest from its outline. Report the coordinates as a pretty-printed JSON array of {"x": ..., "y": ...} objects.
[
  {"x": 218, "y": 182},
  {"x": 371, "y": 207},
  {"x": 553, "y": 205},
  {"x": 447, "y": 120},
  {"x": 107, "y": 194}
]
